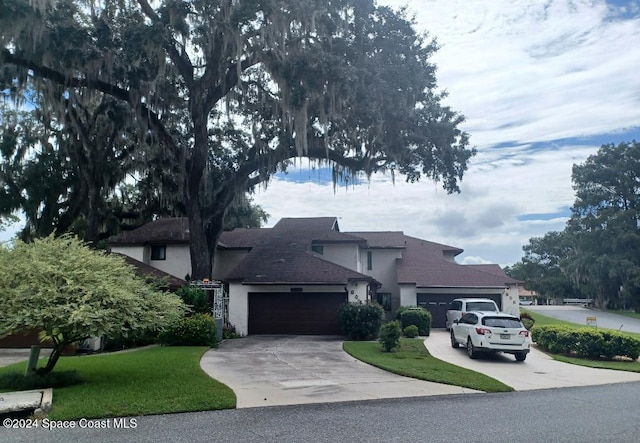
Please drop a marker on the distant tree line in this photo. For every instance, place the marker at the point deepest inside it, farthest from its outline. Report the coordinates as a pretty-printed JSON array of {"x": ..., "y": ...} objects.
[{"x": 597, "y": 255}]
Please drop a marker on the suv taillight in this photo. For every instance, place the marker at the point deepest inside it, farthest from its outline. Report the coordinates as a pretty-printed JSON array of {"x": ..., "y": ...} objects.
[
  {"x": 482, "y": 331},
  {"x": 525, "y": 333}
]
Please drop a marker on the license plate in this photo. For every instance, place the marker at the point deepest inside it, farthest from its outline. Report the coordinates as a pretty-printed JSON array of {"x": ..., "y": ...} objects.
[{"x": 505, "y": 336}]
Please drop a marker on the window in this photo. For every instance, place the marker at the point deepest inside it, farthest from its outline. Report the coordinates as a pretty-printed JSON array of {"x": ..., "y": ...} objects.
[
  {"x": 318, "y": 249},
  {"x": 369, "y": 260},
  {"x": 158, "y": 252},
  {"x": 470, "y": 319},
  {"x": 384, "y": 300},
  {"x": 502, "y": 322}
]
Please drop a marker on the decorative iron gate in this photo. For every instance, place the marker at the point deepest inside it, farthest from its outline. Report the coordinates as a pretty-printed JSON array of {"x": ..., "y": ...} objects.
[{"x": 219, "y": 303}]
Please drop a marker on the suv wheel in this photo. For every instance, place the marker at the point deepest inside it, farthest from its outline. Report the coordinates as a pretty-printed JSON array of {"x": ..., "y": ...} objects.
[
  {"x": 454, "y": 343},
  {"x": 521, "y": 356},
  {"x": 471, "y": 350}
]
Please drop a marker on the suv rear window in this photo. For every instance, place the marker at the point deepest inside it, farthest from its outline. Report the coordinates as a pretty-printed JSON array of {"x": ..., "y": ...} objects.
[
  {"x": 502, "y": 322},
  {"x": 481, "y": 306}
]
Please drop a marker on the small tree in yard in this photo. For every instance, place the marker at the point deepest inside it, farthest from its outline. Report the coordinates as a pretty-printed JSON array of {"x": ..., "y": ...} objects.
[
  {"x": 390, "y": 335},
  {"x": 71, "y": 292}
]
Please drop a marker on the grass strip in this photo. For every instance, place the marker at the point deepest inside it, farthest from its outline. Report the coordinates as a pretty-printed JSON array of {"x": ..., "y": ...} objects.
[
  {"x": 617, "y": 365},
  {"x": 156, "y": 380},
  {"x": 413, "y": 360}
]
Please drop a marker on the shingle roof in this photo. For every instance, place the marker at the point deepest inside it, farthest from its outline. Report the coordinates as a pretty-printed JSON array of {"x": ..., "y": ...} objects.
[
  {"x": 164, "y": 230},
  {"x": 147, "y": 271},
  {"x": 381, "y": 239},
  {"x": 397, "y": 239},
  {"x": 495, "y": 270},
  {"x": 423, "y": 263},
  {"x": 307, "y": 224},
  {"x": 283, "y": 255},
  {"x": 242, "y": 238},
  {"x": 269, "y": 264}
]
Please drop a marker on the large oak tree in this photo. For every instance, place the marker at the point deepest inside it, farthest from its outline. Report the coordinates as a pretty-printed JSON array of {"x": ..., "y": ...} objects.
[{"x": 230, "y": 91}]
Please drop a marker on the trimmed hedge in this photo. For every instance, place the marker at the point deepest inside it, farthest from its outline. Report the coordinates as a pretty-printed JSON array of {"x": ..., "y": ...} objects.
[
  {"x": 594, "y": 344},
  {"x": 359, "y": 321},
  {"x": 194, "y": 330},
  {"x": 419, "y": 317}
]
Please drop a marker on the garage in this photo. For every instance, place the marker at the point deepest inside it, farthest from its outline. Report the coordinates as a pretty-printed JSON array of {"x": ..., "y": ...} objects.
[
  {"x": 295, "y": 313},
  {"x": 438, "y": 304}
]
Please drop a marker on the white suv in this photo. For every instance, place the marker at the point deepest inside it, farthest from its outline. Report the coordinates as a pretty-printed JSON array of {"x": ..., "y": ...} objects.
[
  {"x": 491, "y": 332},
  {"x": 460, "y": 306}
]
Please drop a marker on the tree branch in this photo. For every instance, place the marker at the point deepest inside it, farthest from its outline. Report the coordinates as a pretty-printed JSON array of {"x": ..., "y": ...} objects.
[
  {"x": 181, "y": 60},
  {"x": 143, "y": 111}
]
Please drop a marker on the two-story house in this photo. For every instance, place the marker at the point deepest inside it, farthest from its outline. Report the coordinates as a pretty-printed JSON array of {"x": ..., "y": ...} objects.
[{"x": 292, "y": 278}]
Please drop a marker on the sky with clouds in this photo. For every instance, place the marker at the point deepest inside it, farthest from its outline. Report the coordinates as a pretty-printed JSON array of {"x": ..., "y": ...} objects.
[{"x": 542, "y": 84}]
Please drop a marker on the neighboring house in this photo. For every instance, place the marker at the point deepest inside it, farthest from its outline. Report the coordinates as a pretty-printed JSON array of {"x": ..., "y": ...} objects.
[{"x": 291, "y": 279}]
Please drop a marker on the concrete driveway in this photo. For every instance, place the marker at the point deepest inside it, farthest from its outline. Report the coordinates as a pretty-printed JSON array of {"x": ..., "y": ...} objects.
[
  {"x": 287, "y": 370},
  {"x": 538, "y": 371},
  {"x": 9, "y": 356}
]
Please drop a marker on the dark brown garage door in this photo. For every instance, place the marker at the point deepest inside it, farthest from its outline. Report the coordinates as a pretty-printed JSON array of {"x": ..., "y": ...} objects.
[
  {"x": 295, "y": 313},
  {"x": 25, "y": 340},
  {"x": 438, "y": 304}
]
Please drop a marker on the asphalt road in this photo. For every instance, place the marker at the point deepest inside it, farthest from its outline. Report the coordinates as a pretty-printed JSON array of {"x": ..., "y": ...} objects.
[
  {"x": 577, "y": 314},
  {"x": 608, "y": 413}
]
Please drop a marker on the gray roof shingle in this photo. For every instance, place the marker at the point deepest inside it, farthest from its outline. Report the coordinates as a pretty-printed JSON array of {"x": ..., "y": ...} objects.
[
  {"x": 283, "y": 255},
  {"x": 423, "y": 263},
  {"x": 164, "y": 230}
]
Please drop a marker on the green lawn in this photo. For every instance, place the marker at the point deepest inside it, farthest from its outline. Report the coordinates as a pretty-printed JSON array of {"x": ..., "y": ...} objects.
[
  {"x": 154, "y": 380},
  {"x": 413, "y": 360}
]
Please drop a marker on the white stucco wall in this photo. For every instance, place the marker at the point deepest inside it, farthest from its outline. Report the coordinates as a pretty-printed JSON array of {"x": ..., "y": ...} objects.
[
  {"x": 341, "y": 254},
  {"x": 177, "y": 263},
  {"x": 135, "y": 252},
  {"x": 384, "y": 270},
  {"x": 511, "y": 301},
  {"x": 408, "y": 295}
]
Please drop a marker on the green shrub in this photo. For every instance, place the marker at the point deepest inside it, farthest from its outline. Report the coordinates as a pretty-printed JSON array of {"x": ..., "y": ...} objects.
[
  {"x": 411, "y": 331},
  {"x": 17, "y": 381},
  {"x": 390, "y": 336},
  {"x": 194, "y": 330},
  {"x": 134, "y": 340},
  {"x": 417, "y": 316},
  {"x": 196, "y": 298},
  {"x": 229, "y": 331},
  {"x": 360, "y": 321},
  {"x": 401, "y": 309},
  {"x": 585, "y": 342},
  {"x": 527, "y": 320}
]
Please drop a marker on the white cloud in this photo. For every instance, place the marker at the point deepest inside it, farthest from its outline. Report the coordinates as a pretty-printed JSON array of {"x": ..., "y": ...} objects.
[{"x": 528, "y": 75}]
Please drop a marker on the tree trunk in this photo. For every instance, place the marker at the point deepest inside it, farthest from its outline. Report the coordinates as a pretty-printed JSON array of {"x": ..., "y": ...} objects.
[
  {"x": 53, "y": 359},
  {"x": 92, "y": 231},
  {"x": 201, "y": 258}
]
